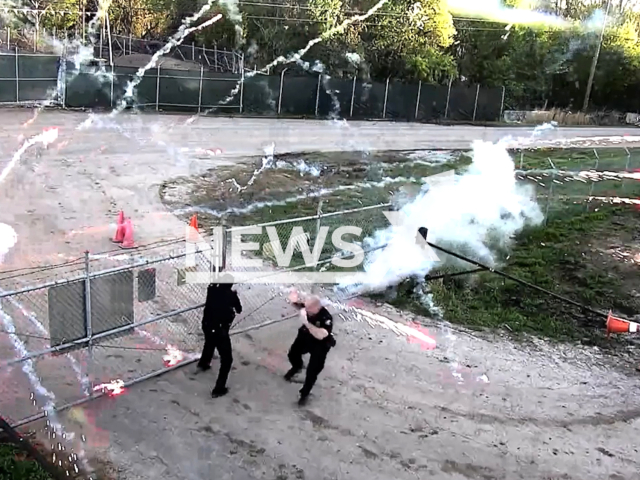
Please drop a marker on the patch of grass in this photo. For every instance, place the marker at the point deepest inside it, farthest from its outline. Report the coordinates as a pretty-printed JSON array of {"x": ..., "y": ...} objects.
[
  {"x": 613, "y": 159},
  {"x": 15, "y": 465},
  {"x": 566, "y": 258}
]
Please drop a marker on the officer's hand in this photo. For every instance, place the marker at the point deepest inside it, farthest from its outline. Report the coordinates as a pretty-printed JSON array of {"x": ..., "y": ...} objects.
[{"x": 303, "y": 316}]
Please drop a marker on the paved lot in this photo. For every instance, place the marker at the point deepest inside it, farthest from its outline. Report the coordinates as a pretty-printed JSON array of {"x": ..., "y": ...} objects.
[{"x": 383, "y": 408}]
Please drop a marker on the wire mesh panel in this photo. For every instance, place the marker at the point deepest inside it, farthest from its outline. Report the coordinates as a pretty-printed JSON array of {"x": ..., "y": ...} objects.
[
  {"x": 369, "y": 100},
  {"x": 489, "y": 104},
  {"x": 67, "y": 313},
  {"x": 401, "y": 100},
  {"x": 180, "y": 88},
  {"x": 461, "y": 102},
  {"x": 433, "y": 102},
  {"x": 217, "y": 87},
  {"x": 111, "y": 301},
  {"x": 334, "y": 97},
  {"x": 260, "y": 94},
  {"x": 88, "y": 88},
  {"x": 146, "y": 284},
  {"x": 37, "y": 77},
  {"x": 8, "y": 79},
  {"x": 146, "y": 90},
  {"x": 299, "y": 95}
]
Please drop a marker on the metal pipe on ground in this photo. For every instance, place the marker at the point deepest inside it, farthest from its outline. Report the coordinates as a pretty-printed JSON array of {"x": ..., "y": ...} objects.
[
  {"x": 423, "y": 232},
  {"x": 157, "y": 373}
]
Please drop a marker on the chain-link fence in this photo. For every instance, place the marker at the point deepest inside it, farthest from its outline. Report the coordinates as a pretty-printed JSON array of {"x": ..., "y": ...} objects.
[
  {"x": 90, "y": 323},
  {"x": 37, "y": 78},
  {"x": 63, "y": 338},
  {"x": 581, "y": 181}
]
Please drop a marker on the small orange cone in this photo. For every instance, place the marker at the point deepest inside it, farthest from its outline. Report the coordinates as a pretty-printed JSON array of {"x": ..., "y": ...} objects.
[
  {"x": 618, "y": 325},
  {"x": 192, "y": 229},
  {"x": 119, "y": 235},
  {"x": 127, "y": 241}
]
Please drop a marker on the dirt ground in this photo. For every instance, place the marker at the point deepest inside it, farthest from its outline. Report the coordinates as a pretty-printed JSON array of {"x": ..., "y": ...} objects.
[{"x": 473, "y": 408}]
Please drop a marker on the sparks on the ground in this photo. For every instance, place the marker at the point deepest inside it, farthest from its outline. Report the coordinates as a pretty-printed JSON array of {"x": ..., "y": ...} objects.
[
  {"x": 173, "y": 356},
  {"x": 113, "y": 388}
]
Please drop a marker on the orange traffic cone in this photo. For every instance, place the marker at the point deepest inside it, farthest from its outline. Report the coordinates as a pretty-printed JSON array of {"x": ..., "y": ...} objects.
[
  {"x": 192, "y": 229},
  {"x": 119, "y": 235},
  {"x": 618, "y": 325},
  {"x": 127, "y": 241}
]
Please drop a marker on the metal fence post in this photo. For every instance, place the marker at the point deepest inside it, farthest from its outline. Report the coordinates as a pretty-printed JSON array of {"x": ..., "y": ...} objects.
[
  {"x": 87, "y": 315},
  {"x": 193, "y": 51},
  {"x": 353, "y": 95},
  {"x": 318, "y": 93},
  {"x": 386, "y": 93},
  {"x": 63, "y": 67},
  {"x": 549, "y": 198},
  {"x": 280, "y": 93},
  {"x": 200, "y": 88},
  {"x": 241, "y": 82},
  {"x": 446, "y": 109},
  {"x": 158, "y": 88},
  {"x": 475, "y": 105},
  {"x": 418, "y": 99},
  {"x": 502, "y": 104},
  {"x": 17, "y": 79},
  {"x": 113, "y": 72},
  {"x": 129, "y": 44},
  {"x": 319, "y": 216}
]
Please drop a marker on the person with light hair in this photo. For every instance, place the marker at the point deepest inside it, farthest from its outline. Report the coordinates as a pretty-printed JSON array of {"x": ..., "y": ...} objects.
[{"x": 314, "y": 338}]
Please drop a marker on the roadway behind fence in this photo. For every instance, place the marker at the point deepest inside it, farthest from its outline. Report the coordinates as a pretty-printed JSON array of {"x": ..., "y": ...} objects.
[{"x": 34, "y": 79}]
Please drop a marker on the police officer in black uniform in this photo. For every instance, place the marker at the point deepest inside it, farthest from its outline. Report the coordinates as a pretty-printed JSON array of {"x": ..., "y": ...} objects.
[
  {"x": 314, "y": 337},
  {"x": 220, "y": 310}
]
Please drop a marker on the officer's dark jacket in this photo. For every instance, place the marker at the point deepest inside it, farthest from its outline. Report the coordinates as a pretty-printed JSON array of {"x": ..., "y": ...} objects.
[
  {"x": 221, "y": 307},
  {"x": 322, "y": 319}
]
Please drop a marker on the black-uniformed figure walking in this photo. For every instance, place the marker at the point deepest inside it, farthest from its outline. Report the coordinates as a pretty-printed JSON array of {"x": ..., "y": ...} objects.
[
  {"x": 315, "y": 338},
  {"x": 220, "y": 310}
]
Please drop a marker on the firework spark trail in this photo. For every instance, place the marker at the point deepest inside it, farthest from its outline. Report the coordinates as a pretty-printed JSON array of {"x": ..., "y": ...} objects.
[
  {"x": 524, "y": 142},
  {"x": 592, "y": 175},
  {"x": 82, "y": 57},
  {"x": 294, "y": 57},
  {"x": 318, "y": 193},
  {"x": 176, "y": 40},
  {"x": 46, "y": 137},
  {"x": 267, "y": 162},
  {"x": 29, "y": 370},
  {"x": 84, "y": 381},
  {"x": 376, "y": 320}
]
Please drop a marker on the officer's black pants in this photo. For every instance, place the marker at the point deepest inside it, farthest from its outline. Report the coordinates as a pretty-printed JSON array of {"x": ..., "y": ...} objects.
[
  {"x": 318, "y": 352},
  {"x": 221, "y": 341}
]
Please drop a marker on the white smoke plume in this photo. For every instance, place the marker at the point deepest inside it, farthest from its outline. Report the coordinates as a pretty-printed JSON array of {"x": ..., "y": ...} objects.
[
  {"x": 236, "y": 17},
  {"x": 484, "y": 206}
]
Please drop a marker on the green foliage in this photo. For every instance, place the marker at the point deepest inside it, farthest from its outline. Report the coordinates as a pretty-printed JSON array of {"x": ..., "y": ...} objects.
[
  {"x": 540, "y": 66},
  {"x": 13, "y": 465}
]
